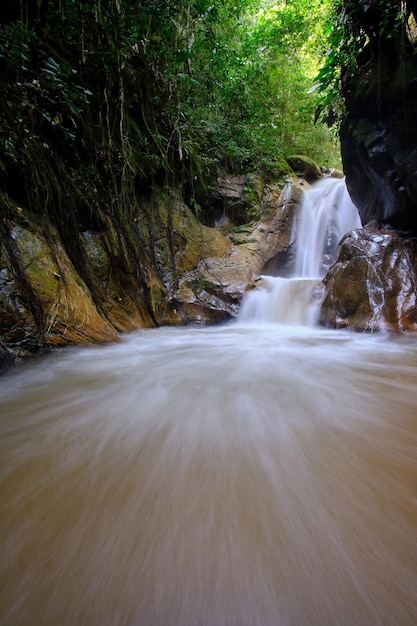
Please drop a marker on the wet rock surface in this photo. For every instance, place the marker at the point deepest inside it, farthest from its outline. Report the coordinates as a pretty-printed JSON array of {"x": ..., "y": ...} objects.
[
  {"x": 373, "y": 284},
  {"x": 379, "y": 131},
  {"x": 43, "y": 301},
  {"x": 213, "y": 289},
  {"x": 193, "y": 273}
]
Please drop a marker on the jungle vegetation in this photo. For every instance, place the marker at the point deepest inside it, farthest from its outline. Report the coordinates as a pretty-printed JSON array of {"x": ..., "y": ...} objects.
[
  {"x": 105, "y": 99},
  {"x": 121, "y": 94}
]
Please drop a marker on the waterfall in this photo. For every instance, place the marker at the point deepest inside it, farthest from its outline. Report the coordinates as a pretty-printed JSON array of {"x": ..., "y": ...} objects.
[{"x": 327, "y": 213}]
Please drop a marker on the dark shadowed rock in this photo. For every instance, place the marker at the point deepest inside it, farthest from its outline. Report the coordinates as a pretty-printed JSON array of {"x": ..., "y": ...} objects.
[
  {"x": 6, "y": 358},
  {"x": 228, "y": 201},
  {"x": 379, "y": 132}
]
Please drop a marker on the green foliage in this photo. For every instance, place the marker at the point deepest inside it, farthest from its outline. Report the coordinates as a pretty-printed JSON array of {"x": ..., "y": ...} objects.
[
  {"x": 119, "y": 96},
  {"x": 358, "y": 32},
  {"x": 277, "y": 51}
]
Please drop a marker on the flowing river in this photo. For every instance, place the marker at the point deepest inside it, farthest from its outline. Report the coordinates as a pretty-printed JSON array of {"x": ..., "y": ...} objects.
[
  {"x": 251, "y": 474},
  {"x": 237, "y": 475}
]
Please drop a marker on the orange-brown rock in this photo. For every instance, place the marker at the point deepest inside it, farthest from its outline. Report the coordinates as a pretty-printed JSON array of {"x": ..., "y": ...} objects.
[
  {"x": 188, "y": 272},
  {"x": 60, "y": 310}
]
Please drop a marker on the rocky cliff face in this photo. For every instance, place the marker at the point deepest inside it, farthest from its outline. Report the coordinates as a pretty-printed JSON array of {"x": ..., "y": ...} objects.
[
  {"x": 379, "y": 132},
  {"x": 372, "y": 286},
  {"x": 379, "y": 148},
  {"x": 194, "y": 273},
  {"x": 44, "y": 302}
]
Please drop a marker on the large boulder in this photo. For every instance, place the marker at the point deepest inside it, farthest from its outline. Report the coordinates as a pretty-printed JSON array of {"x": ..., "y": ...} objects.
[
  {"x": 373, "y": 284},
  {"x": 212, "y": 291},
  {"x": 305, "y": 167}
]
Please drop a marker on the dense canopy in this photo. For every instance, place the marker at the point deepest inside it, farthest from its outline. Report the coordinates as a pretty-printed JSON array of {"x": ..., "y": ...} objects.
[{"x": 128, "y": 93}]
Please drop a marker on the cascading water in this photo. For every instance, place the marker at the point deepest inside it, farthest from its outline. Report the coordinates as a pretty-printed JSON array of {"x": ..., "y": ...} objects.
[{"x": 326, "y": 215}]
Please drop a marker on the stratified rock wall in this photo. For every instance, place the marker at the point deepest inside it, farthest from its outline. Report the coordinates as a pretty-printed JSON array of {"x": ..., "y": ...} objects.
[{"x": 192, "y": 272}]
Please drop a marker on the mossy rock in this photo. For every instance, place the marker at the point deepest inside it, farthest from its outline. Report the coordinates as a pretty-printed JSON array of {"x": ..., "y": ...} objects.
[
  {"x": 65, "y": 309},
  {"x": 305, "y": 166},
  {"x": 275, "y": 169}
]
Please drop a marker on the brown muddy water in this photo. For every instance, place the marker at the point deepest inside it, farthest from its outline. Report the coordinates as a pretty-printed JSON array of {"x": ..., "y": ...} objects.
[{"x": 232, "y": 476}]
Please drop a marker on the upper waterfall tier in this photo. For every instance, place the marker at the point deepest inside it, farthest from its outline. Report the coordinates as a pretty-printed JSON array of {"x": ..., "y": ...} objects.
[{"x": 327, "y": 214}]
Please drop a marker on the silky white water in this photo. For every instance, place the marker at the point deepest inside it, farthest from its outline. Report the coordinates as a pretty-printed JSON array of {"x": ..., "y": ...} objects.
[
  {"x": 327, "y": 214},
  {"x": 243, "y": 475}
]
